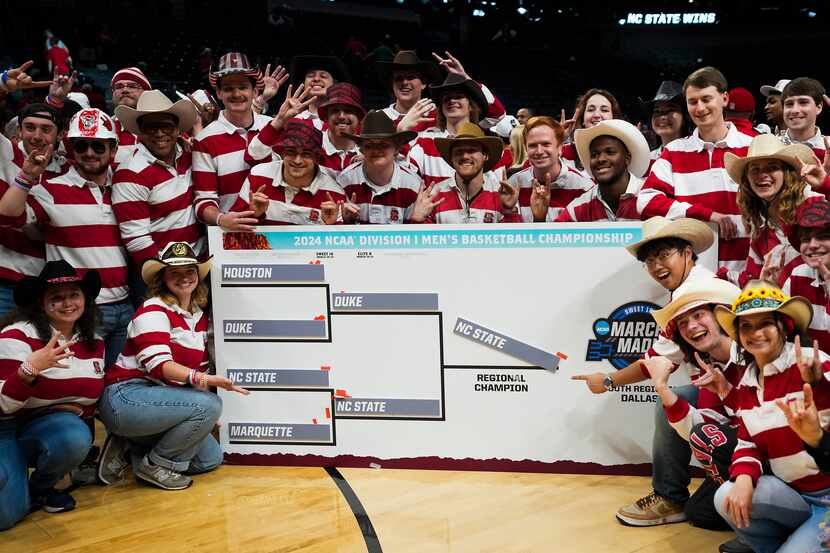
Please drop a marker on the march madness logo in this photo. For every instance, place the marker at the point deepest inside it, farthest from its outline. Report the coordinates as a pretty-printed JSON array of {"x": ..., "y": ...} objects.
[{"x": 625, "y": 335}]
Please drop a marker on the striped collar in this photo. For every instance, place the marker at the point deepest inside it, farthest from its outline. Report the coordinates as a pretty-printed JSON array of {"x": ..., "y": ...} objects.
[
  {"x": 816, "y": 142},
  {"x": 731, "y": 140},
  {"x": 73, "y": 178}
]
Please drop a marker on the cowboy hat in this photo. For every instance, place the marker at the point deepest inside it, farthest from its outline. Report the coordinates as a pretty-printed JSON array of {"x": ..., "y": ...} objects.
[
  {"x": 377, "y": 126},
  {"x": 810, "y": 214},
  {"x": 695, "y": 232},
  {"x": 174, "y": 254},
  {"x": 342, "y": 94},
  {"x": 154, "y": 102},
  {"x": 668, "y": 91},
  {"x": 235, "y": 63},
  {"x": 455, "y": 82},
  {"x": 302, "y": 64},
  {"x": 633, "y": 139},
  {"x": 407, "y": 60},
  {"x": 471, "y": 133},
  {"x": 692, "y": 294},
  {"x": 767, "y": 146},
  {"x": 29, "y": 289},
  {"x": 760, "y": 296}
]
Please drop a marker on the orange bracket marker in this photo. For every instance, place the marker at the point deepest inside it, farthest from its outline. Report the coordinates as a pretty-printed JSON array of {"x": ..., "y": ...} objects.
[
  {"x": 561, "y": 355},
  {"x": 328, "y": 413},
  {"x": 341, "y": 393},
  {"x": 314, "y": 421},
  {"x": 326, "y": 368},
  {"x": 320, "y": 318}
]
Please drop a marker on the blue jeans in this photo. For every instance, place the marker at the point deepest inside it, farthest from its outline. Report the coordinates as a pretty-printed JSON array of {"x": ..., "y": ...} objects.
[
  {"x": 671, "y": 454},
  {"x": 781, "y": 519},
  {"x": 6, "y": 300},
  {"x": 53, "y": 444},
  {"x": 171, "y": 424},
  {"x": 113, "y": 328}
]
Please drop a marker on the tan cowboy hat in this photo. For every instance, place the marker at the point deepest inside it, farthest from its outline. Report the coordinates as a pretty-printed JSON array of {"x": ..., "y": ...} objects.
[
  {"x": 630, "y": 135},
  {"x": 155, "y": 102},
  {"x": 760, "y": 296},
  {"x": 767, "y": 146},
  {"x": 472, "y": 133},
  {"x": 174, "y": 254},
  {"x": 695, "y": 232},
  {"x": 692, "y": 294}
]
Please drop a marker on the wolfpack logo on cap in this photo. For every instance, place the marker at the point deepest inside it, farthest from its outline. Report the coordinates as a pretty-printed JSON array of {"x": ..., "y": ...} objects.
[
  {"x": 625, "y": 335},
  {"x": 88, "y": 122}
]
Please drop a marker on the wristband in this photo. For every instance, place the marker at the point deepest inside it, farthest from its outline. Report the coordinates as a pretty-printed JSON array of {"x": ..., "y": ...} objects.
[
  {"x": 4, "y": 77},
  {"x": 21, "y": 184},
  {"x": 27, "y": 369},
  {"x": 52, "y": 101},
  {"x": 189, "y": 378},
  {"x": 218, "y": 218},
  {"x": 28, "y": 179}
]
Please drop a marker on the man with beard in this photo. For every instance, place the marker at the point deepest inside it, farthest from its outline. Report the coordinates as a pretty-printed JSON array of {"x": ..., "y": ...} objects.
[
  {"x": 548, "y": 184},
  {"x": 469, "y": 195},
  {"x": 773, "y": 108},
  {"x": 292, "y": 189},
  {"x": 613, "y": 153},
  {"x": 152, "y": 194},
  {"x": 127, "y": 86},
  {"x": 342, "y": 110},
  {"x": 381, "y": 188},
  {"x": 75, "y": 213}
]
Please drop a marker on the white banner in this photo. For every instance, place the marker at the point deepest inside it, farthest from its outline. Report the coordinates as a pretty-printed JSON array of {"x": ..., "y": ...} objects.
[{"x": 434, "y": 346}]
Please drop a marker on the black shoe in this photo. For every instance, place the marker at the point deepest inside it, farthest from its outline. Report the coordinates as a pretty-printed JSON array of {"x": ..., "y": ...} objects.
[
  {"x": 53, "y": 501},
  {"x": 734, "y": 546}
]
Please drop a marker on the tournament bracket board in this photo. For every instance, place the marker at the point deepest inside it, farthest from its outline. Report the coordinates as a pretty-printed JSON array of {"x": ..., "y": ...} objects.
[{"x": 434, "y": 346}]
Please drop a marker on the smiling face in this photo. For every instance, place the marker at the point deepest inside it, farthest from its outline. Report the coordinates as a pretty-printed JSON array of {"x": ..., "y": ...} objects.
[
  {"x": 318, "y": 81},
  {"x": 542, "y": 148},
  {"x": 378, "y": 154},
  {"x": 609, "y": 159},
  {"x": 298, "y": 166},
  {"x": 63, "y": 304},
  {"x": 774, "y": 109},
  {"x": 667, "y": 120},
  {"x": 181, "y": 281},
  {"x": 342, "y": 120},
  {"x": 468, "y": 159},
  {"x": 158, "y": 132},
  {"x": 815, "y": 246},
  {"x": 236, "y": 93},
  {"x": 92, "y": 156},
  {"x": 761, "y": 335},
  {"x": 800, "y": 112},
  {"x": 705, "y": 105},
  {"x": 667, "y": 264},
  {"x": 455, "y": 106},
  {"x": 37, "y": 133},
  {"x": 597, "y": 109},
  {"x": 766, "y": 177},
  {"x": 407, "y": 86},
  {"x": 699, "y": 328}
]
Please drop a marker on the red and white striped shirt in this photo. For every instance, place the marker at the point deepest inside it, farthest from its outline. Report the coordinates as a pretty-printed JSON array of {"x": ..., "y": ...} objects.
[
  {"x": 816, "y": 142},
  {"x": 689, "y": 180},
  {"x": 288, "y": 205},
  {"x": 495, "y": 111},
  {"x": 386, "y": 205},
  {"x": 484, "y": 207},
  {"x": 153, "y": 202},
  {"x": 80, "y": 383},
  {"x": 80, "y": 227},
  {"x": 569, "y": 155},
  {"x": 763, "y": 432},
  {"x": 219, "y": 164},
  {"x": 159, "y": 333},
  {"x": 802, "y": 280},
  {"x": 429, "y": 164},
  {"x": 568, "y": 186},
  {"x": 335, "y": 160},
  {"x": 318, "y": 123},
  {"x": 126, "y": 144},
  {"x": 590, "y": 206}
]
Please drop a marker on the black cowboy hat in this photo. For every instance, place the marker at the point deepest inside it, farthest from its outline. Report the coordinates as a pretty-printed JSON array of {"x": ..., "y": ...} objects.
[
  {"x": 29, "y": 289},
  {"x": 300, "y": 65},
  {"x": 377, "y": 126},
  {"x": 408, "y": 60},
  {"x": 455, "y": 82},
  {"x": 668, "y": 91}
]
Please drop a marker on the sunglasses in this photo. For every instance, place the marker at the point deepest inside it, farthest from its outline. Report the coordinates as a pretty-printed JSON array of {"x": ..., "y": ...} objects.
[{"x": 81, "y": 146}]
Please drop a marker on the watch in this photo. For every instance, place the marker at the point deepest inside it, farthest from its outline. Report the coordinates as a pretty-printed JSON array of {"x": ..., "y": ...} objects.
[{"x": 608, "y": 382}]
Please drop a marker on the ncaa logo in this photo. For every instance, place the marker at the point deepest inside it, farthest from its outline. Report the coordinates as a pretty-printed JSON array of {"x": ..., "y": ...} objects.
[{"x": 625, "y": 335}]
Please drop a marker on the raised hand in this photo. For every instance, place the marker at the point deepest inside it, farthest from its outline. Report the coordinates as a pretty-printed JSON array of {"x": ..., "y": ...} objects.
[
  {"x": 712, "y": 378},
  {"x": 659, "y": 370},
  {"x": 809, "y": 367},
  {"x": 258, "y": 201},
  {"x": 18, "y": 79},
  {"x": 540, "y": 198},
  {"x": 815, "y": 172},
  {"x": 772, "y": 270},
  {"x": 329, "y": 210},
  {"x": 36, "y": 162},
  {"x": 727, "y": 229},
  {"x": 238, "y": 221},
  {"x": 567, "y": 124},
  {"x": 509, "y": 195},
  {"x": 350, "y": 210},
  {"x": 50, "y": 355},
  {"x": 272, "y": 82},
  {"x": 451, "y": 64},
  {"x": 424, "y": 204},
  {"x": 802, "y": 416},
  {"x": 296, "y": 101},
  {"x": 62, "y": 85},
  {"x": 418, "y": 114}
]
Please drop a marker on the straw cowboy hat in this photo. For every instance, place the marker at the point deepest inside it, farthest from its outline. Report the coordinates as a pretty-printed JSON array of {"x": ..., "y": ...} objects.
[
  {"x": 408, "y": 60},
  {"x": 471, "y": 133},
  {"x": 154, "y": 102},
  {"x": 633, "y": 139},
  {"x": 692, "y": 294},
  {"x": 767, "y": 146},
  {"x": 377, "y": 126},
  {"x": 695, "y": 232},
  {"x": 760, "y": 296},
  {"x": 29, "y": 289},
  {"x": 174, "y": 254}
]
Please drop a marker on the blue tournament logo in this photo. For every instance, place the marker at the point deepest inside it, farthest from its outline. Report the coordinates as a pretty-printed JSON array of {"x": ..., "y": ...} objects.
[{"x": 625, "y": 335}]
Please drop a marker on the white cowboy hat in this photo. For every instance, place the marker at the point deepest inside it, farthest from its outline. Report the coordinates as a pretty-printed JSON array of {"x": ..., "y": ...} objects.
[
  {"x": 174, "y": 254},
  {"x": 630, "y": 135},
  {"x": 767, "y": 146},
  {"x": 760, "y": 296},
  {"x": 155, "y": 102},
  {"x": 695, "y": 232},
  {"x": 694, "y": 293}
]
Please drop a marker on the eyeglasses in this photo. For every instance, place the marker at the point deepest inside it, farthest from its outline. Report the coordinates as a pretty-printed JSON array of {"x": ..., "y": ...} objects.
[
  {"x": 81, "y": 146},
  {"x": 661, "y": 256},
  {"x": 127, "y": 85}
]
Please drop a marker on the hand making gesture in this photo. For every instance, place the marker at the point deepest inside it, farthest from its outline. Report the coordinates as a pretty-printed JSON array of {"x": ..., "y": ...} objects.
[
  {"x": 424, "y": 204},
  {"x": 809, "y": 367},
  {"x": 712, "y": 378},
  {"x": 418, "y": 114},
  {"x": 451, "y": 64},
  {"x": 50, "y": 355},
  {"x": 509, "y": 195},
  {"x": 540, "y": 198},
  {"x": 258, "y": 201},
  {"x": 296, "y": 101},
  {"x": 802, "y": 416},
  {"x": 350, "y": 210},
  {"x": 329, "y": 210},
  {"x": 18, "y": 79}
]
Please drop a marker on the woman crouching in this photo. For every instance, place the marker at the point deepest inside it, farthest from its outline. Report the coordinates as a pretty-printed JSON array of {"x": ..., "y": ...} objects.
[{"x": 158, "y": 403}]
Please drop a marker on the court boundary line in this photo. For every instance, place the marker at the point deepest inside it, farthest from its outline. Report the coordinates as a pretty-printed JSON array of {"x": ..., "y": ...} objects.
[{"x": 370, "y": 536}]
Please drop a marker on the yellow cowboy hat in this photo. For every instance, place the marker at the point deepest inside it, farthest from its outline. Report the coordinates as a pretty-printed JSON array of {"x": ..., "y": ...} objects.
[{"x": 760, "y": 296}]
